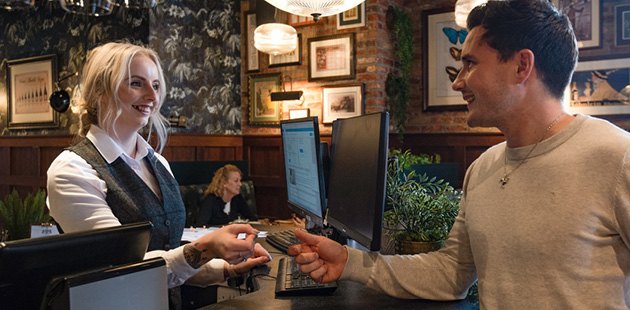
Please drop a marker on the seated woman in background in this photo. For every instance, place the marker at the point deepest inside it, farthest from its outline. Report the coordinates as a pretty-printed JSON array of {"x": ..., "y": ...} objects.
[
  {"x": 112, "y": 176},
  {"x": 223, "y": 202}
]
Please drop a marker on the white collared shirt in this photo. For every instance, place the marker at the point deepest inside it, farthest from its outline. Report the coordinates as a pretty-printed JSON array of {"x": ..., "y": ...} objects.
[{"x": 76, "y": 198}]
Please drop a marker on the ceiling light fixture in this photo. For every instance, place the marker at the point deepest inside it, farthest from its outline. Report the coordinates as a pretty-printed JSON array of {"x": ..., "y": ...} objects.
[
  {"x": 275, "y": 38},
  {"x": 315, "y": 8},
  {"x": 88, "y": 7},
  {"x": 463, "y": 8}
]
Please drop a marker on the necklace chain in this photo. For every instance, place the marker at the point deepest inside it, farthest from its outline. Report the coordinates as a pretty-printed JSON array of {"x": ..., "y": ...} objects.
[{"x": 506, "y": 174}]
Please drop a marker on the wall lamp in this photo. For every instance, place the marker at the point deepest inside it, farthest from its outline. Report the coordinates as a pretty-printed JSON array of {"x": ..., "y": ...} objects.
[{"x": 287, "y": 95}]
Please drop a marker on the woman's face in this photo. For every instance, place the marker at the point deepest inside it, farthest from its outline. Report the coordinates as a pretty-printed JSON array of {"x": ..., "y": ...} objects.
[
  {"x": 139, "y": 94},
  {"x": 232, "y": 185}
]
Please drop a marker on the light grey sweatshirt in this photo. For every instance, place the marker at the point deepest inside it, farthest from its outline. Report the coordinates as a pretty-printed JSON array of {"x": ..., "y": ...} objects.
[{"x": 556, "y": 237}]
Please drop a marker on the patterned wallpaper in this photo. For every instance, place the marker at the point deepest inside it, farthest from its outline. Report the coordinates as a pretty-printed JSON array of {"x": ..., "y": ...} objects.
[{"x": 198, "y": 41}]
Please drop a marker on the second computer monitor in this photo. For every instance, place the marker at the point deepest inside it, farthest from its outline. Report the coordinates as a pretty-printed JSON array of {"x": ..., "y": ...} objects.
[
  {"x": 357, "y": 177},
  {"x": 304, "y": 168}
]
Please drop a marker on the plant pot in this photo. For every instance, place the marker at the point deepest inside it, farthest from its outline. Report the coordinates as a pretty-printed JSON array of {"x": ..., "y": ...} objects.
[{"x": 416, "y": 247}]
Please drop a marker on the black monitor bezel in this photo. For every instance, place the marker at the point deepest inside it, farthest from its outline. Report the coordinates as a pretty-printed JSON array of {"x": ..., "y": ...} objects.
[
  {"x": 39, "y": 260},
  {"x": 310, "y": 216},
  {"x": 373, "y": 242}
]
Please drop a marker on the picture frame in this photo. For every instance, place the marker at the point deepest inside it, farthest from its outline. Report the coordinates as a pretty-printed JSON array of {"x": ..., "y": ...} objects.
[
  {"x": 298, "y": 20},
  {"x": 585, "y": 16},
  {"x": 253, "y": 63},
  {"x": 341, "y": 101},
  {"x": 29, "y": 86},
  {"x": 441, "y": 60},
  {"x": 331, "y": 57},
  {"x": 290, "y": 59},
  {"x": 263, "y": 111},
  {"x": 611, "y": 76},
  {"x": 299, "y": 113},
  {"x": 622, "y": 24},
  {"x": 352, "y": 18}
]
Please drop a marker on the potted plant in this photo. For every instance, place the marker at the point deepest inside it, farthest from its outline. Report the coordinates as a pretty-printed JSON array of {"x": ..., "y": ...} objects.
[
  {"x": 420, "y": 211},
  {"x": 18, "y": 215}
]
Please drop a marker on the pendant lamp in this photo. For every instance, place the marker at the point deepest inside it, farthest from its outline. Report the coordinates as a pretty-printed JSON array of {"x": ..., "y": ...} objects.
[
  {"x": 88, "y": 7},
  {"x": 315, "y": 8},
  {"x": 275, "y": 38},
  {"x": 463, "y": 8}
]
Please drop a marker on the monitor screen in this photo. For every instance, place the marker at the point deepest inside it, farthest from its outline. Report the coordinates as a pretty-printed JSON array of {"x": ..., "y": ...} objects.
[
  {"x": 303, "y": 168},
  {"x": 27, "y": 265},
  {"x": 357, "y": 177}
]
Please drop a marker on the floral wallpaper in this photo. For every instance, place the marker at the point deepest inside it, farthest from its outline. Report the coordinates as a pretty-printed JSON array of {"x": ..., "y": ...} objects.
[
  {"x": 198, "y": 41},
  {"x": 200, "y": 46}
]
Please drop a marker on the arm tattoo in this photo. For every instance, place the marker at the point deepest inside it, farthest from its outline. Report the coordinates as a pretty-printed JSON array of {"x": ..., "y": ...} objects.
[{"x": 193, "y": 256}]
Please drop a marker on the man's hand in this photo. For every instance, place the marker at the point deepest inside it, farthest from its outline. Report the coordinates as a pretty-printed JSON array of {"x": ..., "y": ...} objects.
[{"x": 319, "y": 256}]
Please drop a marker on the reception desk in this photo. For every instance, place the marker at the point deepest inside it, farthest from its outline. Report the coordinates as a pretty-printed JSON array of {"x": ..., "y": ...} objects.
[{"x": 349, "y": 295}]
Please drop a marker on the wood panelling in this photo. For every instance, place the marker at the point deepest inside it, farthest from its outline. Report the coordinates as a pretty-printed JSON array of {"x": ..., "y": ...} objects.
[{"x": 24, "y": 160}]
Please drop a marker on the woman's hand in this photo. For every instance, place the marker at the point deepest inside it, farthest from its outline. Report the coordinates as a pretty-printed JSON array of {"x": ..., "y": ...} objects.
[
  {"x": 222, "y": 243},
  {"x": 261, "y": 256}
]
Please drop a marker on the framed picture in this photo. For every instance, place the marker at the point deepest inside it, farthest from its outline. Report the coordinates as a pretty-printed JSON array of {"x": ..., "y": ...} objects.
[
  {"x": 585, "y": 18},
  {"x": 622, "y": 24},
  {"x": 351, "y": 18},
  {"x": 263, "y": 111},
  {"x": 29, "y": 86},
  {"x": 252, "y": 52},
  {"x": 299, "y": 113},
  {"x": 442, "y": 60},
  {"x": 289, "y": 59},
  {"x": 331, "y": 57},
  {"x": 297, "y": 20},
  {"x": 600, "y": 87},
  {"x": 341, "y": 101}
]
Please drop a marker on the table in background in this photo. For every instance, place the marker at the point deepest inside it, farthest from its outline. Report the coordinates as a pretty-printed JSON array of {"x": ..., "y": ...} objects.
[{"x": 349, "y": 295}]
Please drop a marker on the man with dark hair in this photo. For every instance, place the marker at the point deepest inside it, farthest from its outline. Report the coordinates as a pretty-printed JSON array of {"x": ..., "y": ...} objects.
[{"x": 545, "y": 216}]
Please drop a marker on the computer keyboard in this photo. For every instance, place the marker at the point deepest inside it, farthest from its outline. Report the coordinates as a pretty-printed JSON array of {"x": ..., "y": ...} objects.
[
  {"x": 291, "y": 282},
  {"x": 283, "y": 239}
]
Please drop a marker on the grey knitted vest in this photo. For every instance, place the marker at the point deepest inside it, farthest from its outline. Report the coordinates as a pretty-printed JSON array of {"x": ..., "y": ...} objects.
[{"x": 131, "y": 200}]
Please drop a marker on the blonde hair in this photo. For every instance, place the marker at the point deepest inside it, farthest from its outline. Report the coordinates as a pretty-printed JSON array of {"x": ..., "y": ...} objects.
[
  {"x": 106, "y": 68},
  {"x": 220, "y": 178}
]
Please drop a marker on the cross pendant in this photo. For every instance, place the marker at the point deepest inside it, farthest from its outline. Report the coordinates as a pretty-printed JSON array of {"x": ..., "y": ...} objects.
[{"x": 504, "y": 181}]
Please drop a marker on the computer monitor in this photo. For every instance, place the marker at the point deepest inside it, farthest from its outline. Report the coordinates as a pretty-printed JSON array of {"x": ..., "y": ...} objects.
[
  {"x": 27, "y": 265},
  {"x": 304, "y": 169},
  {"x": 356, "y": 189}
]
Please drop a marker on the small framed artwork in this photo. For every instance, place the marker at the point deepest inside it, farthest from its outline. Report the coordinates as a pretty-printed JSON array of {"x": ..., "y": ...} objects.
[
  {"x": 351, "y": 18},
  {"x": 331, "y": 57},
  {"x": 622, "y": 24},
  {"x": 442, "y": 60},
  {"x": 252, "y": 52},
  {"x": 263, "y": 111},
  {"x": 290, "y": 59},
  {"x": 297, "y": 20},
  {"x": 600, "y": 87},
  {"x": 299, "y": 113},
  {"x": 341, "y": 101},
  {"x": 29, "y": 86},
  {"x": 585, "y": 18}
]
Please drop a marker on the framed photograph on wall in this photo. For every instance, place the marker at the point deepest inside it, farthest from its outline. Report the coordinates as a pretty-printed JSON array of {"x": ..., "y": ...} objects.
[
  {"x": 585, "y": 18},
  {"x": 331, "y": 57},
  {"x": 29, "y": 86},
  {"x": 600, "y": 87},
  {"x": 299, "y": 113},
  {"x": 351, "y": 18},
  {"x": 290, "y": 59},
  {"x": 442, "y": 60},
  {"x": 622, "y": 24},
  {"x": 263, "y": 111},
  {"x": 252, "y": 52},
  {"x": 341, "y": 101}
]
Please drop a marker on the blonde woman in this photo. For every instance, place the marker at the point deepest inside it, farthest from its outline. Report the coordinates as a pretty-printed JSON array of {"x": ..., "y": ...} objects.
[
  {"x": 223, "y": 202},
  {"x": 112, "y": 176}
]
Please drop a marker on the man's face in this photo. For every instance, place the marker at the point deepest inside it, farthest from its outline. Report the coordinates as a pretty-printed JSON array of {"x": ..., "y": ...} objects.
[{"x": 484, "y": 82}]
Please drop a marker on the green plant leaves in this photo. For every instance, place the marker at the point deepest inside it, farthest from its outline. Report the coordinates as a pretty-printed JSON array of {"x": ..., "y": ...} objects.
[{"x": 19, "y": 214}]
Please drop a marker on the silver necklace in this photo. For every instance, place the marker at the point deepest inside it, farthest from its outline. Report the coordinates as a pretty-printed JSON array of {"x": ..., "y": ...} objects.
[{"x": 506, "y": 174}]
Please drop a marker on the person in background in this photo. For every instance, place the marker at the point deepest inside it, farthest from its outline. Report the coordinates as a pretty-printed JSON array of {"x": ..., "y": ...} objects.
[
  {"x": 545, "y": 216},
  {"x": 112, "y": 176},
  {"x": 223, "y": 202}
]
